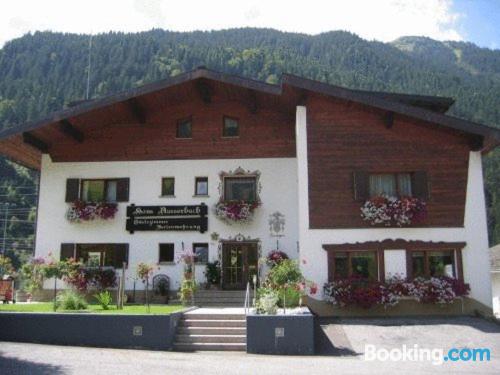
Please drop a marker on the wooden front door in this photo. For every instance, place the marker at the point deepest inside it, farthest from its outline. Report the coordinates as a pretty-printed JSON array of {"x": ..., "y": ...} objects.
[{"x": 239, "y": 264}]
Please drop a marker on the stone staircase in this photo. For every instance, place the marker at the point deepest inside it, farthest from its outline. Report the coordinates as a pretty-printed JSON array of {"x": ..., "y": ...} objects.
[
  {"x": 220, "y": 298},
  {"x": 220, "y": 329}
]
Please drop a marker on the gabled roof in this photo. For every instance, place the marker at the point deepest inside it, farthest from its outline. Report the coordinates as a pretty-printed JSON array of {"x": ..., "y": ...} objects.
[{"x": 427, "y": 108}]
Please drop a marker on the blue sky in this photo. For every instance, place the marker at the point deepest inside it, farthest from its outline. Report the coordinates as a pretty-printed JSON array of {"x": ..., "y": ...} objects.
[
  {"x": 384, "y": 20},
  {"x": 480, "y": 21}
]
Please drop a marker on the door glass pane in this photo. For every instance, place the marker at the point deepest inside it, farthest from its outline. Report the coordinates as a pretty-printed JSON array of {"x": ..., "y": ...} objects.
[
  {"x": 364, "y": 264},
  {"x": 382, "y": 184},
  {"x": 93, "y": 190},
  {"x": 441, "y": 263},
  {"x": 418, "y": 264},
  {"x": 240, "y": 189},
  {"x": 404, "y": 182},
  {"x": 252, "y": 261},
  {"x": 341, "y": 267}
]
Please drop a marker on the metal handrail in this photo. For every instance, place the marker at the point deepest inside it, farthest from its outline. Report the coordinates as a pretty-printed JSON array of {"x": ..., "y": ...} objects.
[{"x": 247, "y": 299}]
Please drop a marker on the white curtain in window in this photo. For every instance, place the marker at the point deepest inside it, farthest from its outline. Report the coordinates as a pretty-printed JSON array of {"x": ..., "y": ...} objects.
[
  {"x": 382, "y": 184},
  {"x": 111, "y": 193},
  {"x": 404, "y": 182}
]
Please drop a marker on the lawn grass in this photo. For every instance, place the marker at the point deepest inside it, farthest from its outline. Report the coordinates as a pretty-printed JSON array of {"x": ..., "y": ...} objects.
[{"x": 47, "y": 307}]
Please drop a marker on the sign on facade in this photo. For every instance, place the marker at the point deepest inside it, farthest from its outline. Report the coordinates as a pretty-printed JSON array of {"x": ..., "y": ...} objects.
[{"x": 167, "y": 218}]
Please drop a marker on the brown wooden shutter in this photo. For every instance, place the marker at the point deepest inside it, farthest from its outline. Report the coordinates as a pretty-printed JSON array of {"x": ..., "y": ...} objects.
[
  {"x": 420, "y": 185},
  {"x": 72, "y": 189},
  {"x": 361, "y": 186},
  {"x": 121, "y": 255},
  {"x": 67, "y": 251},
  {"x": 122, "y": 189}
]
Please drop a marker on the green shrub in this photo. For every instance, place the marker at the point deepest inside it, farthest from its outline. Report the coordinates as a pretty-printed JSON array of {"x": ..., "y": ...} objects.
[
  {"x": 71, "y": 300},
  {"x": 287, "y": 272},
  {"x": 290, "y": 296},
  {"x": 104, "y": 299}
]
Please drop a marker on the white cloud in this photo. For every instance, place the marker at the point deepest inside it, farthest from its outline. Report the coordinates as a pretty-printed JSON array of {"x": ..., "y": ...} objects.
[{"x": 383, "y": 20}]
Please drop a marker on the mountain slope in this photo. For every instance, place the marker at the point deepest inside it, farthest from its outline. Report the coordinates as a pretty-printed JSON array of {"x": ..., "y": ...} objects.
[{"x": 45, "y": 71}]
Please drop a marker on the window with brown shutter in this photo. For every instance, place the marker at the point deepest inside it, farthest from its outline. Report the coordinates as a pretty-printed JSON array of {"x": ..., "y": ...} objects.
[
  {"x": 420, "y": 185},
  {"x": 67, "y": 251},
  {"x": 72, "y": 189},
  {"x": 361, "y": 185},
  {"x": 122, "y": 189}
]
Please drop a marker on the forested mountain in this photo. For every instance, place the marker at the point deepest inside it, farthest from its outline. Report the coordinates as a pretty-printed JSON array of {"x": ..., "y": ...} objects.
[{"x": 46, "y": 71}]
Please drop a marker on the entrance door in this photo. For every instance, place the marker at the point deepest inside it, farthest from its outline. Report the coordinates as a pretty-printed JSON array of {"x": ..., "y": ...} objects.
[{"x": 239, "y": 264}]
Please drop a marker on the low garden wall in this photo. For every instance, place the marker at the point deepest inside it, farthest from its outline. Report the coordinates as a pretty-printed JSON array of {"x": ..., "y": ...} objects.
[
  {"x": 154, "y": 332},
  {"x": 406, "y": 307},
  {"x": 280, "y": 334}
]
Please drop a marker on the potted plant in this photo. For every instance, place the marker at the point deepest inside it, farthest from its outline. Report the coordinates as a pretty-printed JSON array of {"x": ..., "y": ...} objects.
[{"x": 212, "y": 273}]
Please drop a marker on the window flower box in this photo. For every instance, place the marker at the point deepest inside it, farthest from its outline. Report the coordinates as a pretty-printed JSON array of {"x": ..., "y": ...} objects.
[
  {"x": 392, "y": 211},
  {"x": 236, "y": 211},
  {"x": 80, "y": 211}
]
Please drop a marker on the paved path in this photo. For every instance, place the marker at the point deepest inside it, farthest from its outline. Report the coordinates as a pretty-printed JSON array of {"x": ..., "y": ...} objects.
[{"x": 349, "y": 335}]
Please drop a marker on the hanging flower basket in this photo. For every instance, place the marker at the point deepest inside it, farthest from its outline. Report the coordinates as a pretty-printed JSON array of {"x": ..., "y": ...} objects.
[
  {"x": 235, "y": 211},
  {"x": 80, "y": 211},
  {"x": 392, "y": 211}
]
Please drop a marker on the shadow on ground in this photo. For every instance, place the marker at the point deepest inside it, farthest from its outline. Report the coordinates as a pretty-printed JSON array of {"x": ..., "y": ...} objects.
[{"x": 14, "y": 366}]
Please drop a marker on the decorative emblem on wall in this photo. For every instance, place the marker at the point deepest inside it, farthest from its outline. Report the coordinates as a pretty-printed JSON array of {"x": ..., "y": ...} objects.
[{"x": 277, "y": 224}]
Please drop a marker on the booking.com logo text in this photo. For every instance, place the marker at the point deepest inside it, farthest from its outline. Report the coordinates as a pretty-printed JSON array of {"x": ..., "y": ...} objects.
[{"x": 417, "y": 354}]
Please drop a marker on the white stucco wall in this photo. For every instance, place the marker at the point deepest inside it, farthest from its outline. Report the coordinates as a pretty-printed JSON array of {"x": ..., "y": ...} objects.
[
  {"x": 279, "y": 193},
  {"x": 475, "y": 254}
]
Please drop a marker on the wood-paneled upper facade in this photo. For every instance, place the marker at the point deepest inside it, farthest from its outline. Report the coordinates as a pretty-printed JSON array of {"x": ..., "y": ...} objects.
[{"x": 350, "y": 133}]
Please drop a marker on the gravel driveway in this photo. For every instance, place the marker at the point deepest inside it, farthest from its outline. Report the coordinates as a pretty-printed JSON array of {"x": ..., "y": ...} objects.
[{"x": 349, "y": 336}]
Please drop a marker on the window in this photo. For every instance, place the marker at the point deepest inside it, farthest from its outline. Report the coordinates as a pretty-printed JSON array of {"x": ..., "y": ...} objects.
[
  {"x": 393, "y": 185},
  {"x": 99, "y": 190},
  {"x": 166, "y": 253},
  {"x": 200, "y": 251},
  {"x": 240, "y": 189},
  {"x": 97, "y": 255},
  {"x": 358, "y": 264},
  {"x": 184, "y": 128},
  {"x": 201, "y": 186},
  {"x": 433, "y": 263},
  {"x": 230, "y": 127},
  {"x": 168, "y": 187}
]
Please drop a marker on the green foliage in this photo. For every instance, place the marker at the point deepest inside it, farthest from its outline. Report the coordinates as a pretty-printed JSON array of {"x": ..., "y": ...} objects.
[
  {"x": 212, "y": 273},
  {"x": 285, "y": 274},
  {"x": 267, "y": 301},
  {"x": 188, "y": 288},
  {"x": 289, "y": 297},
  {"x": 44, "y": 71},
  {"x": 71, "y": 300},
  {"x": 5, "y": 266},
  {"x": 104, "y": 299},
  {"x": 32, "y": 275}
]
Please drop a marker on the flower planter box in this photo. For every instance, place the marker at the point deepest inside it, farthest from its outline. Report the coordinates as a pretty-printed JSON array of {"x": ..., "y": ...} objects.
[{"x": 280, "y": 334}]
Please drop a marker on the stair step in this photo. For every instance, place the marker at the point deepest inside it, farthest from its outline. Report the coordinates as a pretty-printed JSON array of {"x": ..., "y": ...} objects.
[
  {"x": 222, "y": 316},
  {"x": 211, "y": 330},
  {"x": 188, "y": 347},
  {"x": 226, "y": 339},
  {"x": 212, "y": 323}
]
